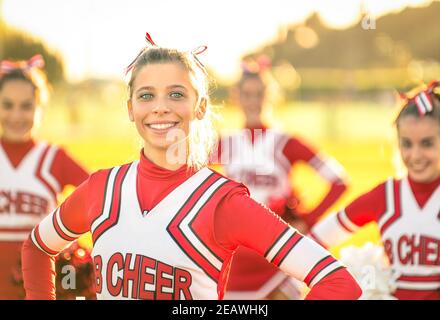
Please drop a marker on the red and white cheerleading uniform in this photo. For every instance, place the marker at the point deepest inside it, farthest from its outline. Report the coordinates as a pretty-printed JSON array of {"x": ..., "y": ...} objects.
[
  {"x": 162, "y": 234},
  {"x": 408, "y": 215},
  {"x": 262, "y": 159},
  {"x": 31, "y": 176}
]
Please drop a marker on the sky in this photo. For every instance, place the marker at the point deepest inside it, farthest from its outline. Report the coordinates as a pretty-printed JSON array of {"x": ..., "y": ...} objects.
[{"x": 98, "y": 38}]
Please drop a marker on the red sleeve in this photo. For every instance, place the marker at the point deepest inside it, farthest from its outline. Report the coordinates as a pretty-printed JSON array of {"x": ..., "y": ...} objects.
[
  {"x": 339, "y": 285},
  {"x": 38, "y": 273},
  {"x": 295, "y": 150},
  {"x": 240, "y": 220},
  {"x": 66, "y": 170},
  {"x": 368, "y": 207},
  {"x": 38, "y": 262}
]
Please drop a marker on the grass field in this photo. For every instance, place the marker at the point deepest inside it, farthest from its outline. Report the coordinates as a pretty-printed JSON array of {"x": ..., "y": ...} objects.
[{"x": 360, "y": 136}]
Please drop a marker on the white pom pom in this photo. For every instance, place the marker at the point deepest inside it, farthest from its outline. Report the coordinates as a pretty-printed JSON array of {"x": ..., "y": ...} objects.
[{"x": 369, "y": 265}]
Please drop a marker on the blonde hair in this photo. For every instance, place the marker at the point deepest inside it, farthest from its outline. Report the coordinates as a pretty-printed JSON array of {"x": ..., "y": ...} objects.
[{"x": 202, "y": 135}]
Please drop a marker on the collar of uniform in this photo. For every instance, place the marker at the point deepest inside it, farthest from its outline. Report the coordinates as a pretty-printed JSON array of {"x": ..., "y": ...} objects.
[
  {"x": 16, "y": 150},
  {"x": 262, "y": 127},
  {"x": 429, "y": 187},
  {"x": 152, "y": 171}
]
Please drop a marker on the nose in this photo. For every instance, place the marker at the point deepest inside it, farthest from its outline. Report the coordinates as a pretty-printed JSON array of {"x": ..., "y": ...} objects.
[
  {"x": 160, "y": 108},
  {"x": 416, "y": 153},
  {"x": 15, "y": 114}
]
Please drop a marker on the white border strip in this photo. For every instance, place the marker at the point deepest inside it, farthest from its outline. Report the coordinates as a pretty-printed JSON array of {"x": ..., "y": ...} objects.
[
  {"x": 45, "y": 169},
  {"x": 347, "y": 222},
  {"x": 389, "y": 195},
  {"x": 108, "y": 199},
  {"x": 279, "y": 244},
  {"x": 184, "y": 225},
  {"x": 62, "y": 227}
]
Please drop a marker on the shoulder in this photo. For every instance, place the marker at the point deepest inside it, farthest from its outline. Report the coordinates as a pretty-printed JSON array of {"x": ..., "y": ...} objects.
[
  {"x": 105, "y": 176},
  {"x": 232, "y": 184},
  {"x": 382, "y": 187},
  {"x": 377, "y": 195},
  {"x": 53, "y": 152}
]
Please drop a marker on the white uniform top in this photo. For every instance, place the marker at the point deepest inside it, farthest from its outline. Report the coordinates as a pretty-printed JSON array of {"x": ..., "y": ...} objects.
[
  {"x": 411, "y": 237},
  {"x": 261, "y": 166},
  {"x": 172, "y": 252},
  {"x": 170, "y": 262},
  {"x": 27, "y": 193}
]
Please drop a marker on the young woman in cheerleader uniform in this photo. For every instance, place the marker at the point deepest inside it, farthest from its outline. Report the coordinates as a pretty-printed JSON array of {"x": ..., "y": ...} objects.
[
  {"x": 407, "y": 210},
  {"x": 262, "y": 158},
  {"x": 166, "y": 226},
  {"x": 32, "y": 172}
]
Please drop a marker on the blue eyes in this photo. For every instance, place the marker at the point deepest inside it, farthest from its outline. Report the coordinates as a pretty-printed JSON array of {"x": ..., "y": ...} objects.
[
  {"x": 146, "y": 96},
  {"x": 176, "y": 95},
  {"x": 425, "y": 143},
  {"x": 172, "y": 95}
]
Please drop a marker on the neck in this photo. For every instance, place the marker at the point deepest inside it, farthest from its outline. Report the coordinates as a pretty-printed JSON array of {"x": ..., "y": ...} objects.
[
  {"x": 257, "y": 123},
  {"x": 433, "y": 179},
  {"x": 21, "y": 140},
  {"x": 161, "y": 158}
]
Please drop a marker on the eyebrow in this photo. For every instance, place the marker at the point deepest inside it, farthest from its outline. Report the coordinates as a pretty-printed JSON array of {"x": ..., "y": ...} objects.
[
  {"x": 173, "y": 86},
  {"x": 423, "y": 139}
]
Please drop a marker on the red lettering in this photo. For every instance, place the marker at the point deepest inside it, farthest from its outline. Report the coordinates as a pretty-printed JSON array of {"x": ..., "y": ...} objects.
[
  {"x": 23, "y": 203},
  {"x": 388, "y": 246},
  {"x": 182, "y": 282},
  {"x": 97, "y": 260},
  {"x": 430, "y": 250},
  {"x": 416, "y": 249},
  {"x": 5, "y": 201},
  {"x": 163, "y": 282},
  {"x": 150, "y": 279},
  {"x": 131, "y": 275},
  {"x": 424, "y": 252},
  {"x": 404, "y": 259},
  {"x": 118, "y": 260},
  {"x": 146, "y": 278}
]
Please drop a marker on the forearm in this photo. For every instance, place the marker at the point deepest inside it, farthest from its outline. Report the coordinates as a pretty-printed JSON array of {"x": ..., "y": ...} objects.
[
  {"x": 38, "y": 272},
  {"x": 339, "y": 285},
  {"x": 335, "y": 192}
]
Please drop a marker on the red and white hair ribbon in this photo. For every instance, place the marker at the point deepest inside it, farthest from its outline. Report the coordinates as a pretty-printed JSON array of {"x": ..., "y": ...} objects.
[
  {"x": 7, "y": 66},
  {"x": 152, "y": 44},
  {"x": 195, "y": 52},
  {"x": 423, "y": 99},
  {"x": 257, "y": 65}
]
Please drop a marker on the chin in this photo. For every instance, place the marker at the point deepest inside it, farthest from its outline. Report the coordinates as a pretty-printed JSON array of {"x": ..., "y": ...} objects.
[
  {"x": 16, "y": 137},
  {"x": 423, "y": 177}
]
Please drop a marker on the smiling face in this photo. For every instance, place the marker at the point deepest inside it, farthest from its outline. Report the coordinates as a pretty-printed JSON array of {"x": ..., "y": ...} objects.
[
  {"x": 252, "y": 94},
  {"x": 163, "y": 99},
  {"x": 17, "y": 110},
  {"x": 419, "y": 142}
]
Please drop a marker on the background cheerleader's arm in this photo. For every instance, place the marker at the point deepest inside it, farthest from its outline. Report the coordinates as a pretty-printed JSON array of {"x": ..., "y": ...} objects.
[
  {"x": 338, "y": 227},
  {"x": 54, "y": 233},
  {"x": 328, "y": 168},
  {"x": 239, "y": 220},
  {"x": 66, "y": 170}
]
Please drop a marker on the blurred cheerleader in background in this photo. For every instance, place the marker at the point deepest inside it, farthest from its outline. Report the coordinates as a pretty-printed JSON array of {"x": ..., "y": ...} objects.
[
  {"x": 407, "y": 210},
  {"x": 32, "y": 173},
  {"x": 262, "y": 158}
]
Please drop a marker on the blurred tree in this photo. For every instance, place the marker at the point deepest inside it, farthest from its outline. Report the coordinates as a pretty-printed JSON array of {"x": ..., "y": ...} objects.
[
  {"x": 17, "y": 45},
  {"x": 396, "y": 39}
]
